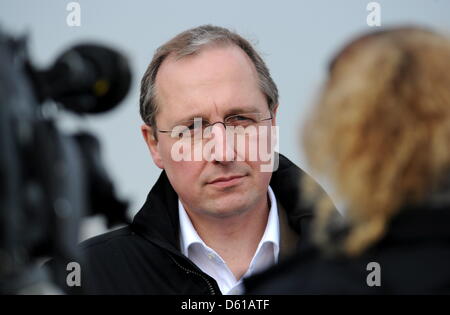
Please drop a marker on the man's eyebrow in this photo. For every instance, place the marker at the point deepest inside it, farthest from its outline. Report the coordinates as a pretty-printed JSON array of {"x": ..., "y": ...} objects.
[
  {"x": 241, "y": 110},
  {"x": 228, "y": 112},
  {"x": 190, "y": 118}
]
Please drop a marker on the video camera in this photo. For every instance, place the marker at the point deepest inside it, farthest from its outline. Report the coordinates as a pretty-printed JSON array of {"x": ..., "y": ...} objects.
[{"x": 50, "y": 180}]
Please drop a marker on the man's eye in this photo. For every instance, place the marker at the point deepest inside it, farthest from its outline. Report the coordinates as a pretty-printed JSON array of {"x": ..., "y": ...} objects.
[
  {"x": 240, "y": 119},
  {"x": 196, "y": 125}
]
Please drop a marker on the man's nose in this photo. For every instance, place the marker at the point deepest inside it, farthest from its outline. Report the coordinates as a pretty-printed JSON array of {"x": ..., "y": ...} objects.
[{"x": 223, "y": 150}]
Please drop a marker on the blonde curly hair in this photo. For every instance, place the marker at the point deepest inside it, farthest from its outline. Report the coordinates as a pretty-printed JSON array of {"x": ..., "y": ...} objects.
[{"x": 381, "y": 129}]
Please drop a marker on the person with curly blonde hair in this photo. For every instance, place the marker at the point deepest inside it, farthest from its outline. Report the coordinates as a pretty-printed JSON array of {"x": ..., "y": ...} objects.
[{"x": 380, "y": 134}]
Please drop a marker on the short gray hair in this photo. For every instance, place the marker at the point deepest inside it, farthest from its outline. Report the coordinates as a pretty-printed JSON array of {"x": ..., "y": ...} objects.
[{"x": 191, "y": 42}]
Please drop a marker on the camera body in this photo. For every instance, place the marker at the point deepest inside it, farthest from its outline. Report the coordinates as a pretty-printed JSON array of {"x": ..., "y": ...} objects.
[{"x": 50, "y": 180}]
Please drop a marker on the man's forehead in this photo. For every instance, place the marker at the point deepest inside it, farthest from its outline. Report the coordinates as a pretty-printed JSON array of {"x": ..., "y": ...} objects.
[{"x": 208, "y": 64}]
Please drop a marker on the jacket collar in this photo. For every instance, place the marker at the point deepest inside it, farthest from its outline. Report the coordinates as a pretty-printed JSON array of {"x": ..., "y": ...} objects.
[{"x": 158, "y": 218}]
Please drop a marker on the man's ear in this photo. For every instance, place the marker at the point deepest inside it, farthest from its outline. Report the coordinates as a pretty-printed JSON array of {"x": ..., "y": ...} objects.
[
  {"x": 274, "y": 123},
  {"x": 274, "y": 115},
  {"x": 153, "y": 145}
]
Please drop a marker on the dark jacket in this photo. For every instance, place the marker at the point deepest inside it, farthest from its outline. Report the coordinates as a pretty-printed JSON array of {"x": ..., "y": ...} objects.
[
  {"x": 145, "y": 257},
  {"x": 413, "y": 256}
]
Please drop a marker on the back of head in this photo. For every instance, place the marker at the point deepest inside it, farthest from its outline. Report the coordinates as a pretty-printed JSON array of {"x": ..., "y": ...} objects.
[{"x": 381, "y": 128}]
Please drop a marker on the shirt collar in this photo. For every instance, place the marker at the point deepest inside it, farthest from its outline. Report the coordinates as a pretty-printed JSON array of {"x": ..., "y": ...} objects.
[
  {"x": 189, "y": 236},
  {"x": 272, "y": 232}
]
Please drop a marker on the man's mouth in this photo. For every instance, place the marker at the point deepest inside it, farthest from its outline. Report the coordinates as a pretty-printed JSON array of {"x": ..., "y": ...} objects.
[{"x": 227, "y": 181}]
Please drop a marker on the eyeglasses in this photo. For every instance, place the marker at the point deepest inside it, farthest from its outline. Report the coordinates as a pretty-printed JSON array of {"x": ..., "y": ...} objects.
[{"x": 201, "y": 128}]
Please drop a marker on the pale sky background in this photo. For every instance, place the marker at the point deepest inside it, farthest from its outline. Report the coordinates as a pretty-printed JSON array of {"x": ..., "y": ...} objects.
[{"x": 296, "y": 38}]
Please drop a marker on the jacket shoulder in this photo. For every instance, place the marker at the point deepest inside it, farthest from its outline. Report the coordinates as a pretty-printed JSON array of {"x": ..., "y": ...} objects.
[{"x": 108, "y": 237}]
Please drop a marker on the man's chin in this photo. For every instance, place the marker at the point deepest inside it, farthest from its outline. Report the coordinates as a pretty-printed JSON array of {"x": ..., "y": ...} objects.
[
  {"x": 221, "y": 213},
  {"x": 228, "y": 207}
]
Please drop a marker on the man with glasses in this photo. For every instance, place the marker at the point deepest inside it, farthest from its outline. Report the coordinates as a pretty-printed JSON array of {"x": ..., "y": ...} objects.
[{"x": 226, "y": 205}]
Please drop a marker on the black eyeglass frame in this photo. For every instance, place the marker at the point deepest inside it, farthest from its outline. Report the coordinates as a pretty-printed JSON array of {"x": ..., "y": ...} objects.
[{"x": 224, "y": 123}]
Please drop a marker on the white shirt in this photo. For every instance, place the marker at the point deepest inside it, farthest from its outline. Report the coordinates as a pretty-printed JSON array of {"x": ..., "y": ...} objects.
[{"x": 212, "y": 264}]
